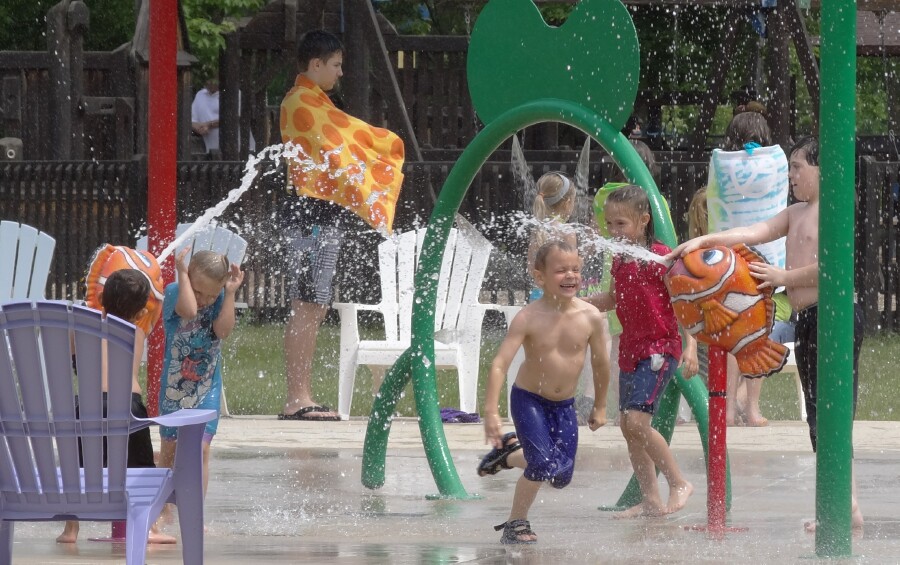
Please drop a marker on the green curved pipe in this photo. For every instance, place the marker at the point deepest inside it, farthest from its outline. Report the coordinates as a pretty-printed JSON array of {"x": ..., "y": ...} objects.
[{"x": 420, "y": 355}]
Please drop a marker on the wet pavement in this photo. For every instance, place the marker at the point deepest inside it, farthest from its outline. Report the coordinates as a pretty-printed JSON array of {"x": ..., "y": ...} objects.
[{"x": 289, "y": 492}]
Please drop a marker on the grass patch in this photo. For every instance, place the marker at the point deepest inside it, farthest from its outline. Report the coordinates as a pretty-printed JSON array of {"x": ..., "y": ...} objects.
[{"x": 254, "y": 375}]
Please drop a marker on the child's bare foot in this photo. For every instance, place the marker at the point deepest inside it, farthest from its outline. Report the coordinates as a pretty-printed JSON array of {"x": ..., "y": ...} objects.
[
  {"x": 69, "y": 533},
  {"x": 632, "y": 512},
  {"x": 641, "y": 510},
  {"x": 678, "y": 497},
  {"x": 856, "y": 522}
]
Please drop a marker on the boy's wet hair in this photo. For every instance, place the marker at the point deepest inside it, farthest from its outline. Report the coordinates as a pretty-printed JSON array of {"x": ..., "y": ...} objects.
[
  {"x": 125, "y": 293},
  {"x": 317, "y": 44},
  {"x": 747, "y": 127},
  {"x": 810, "y": 145},
  {"x": 636, "y": 200},
  {"x": 540, "y": 258},
  {"x": 210, "y": 264}
]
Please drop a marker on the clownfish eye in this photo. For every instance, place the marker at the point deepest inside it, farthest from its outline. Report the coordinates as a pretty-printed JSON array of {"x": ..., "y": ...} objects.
[{"x": 712, "y": 256}]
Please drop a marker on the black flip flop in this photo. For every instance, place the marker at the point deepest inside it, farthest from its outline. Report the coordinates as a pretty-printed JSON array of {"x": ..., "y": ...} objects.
[{"x": 302, "y": 414}]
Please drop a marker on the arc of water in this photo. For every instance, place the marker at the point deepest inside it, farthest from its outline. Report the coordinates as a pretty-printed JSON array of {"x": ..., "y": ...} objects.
[
  {"x": 522, "y": 175},
  {"x": 584, "y": 209},
  {"x": 271, "y": 153}
]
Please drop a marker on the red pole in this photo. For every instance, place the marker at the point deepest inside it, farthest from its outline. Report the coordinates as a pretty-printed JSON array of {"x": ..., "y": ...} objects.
[
  {"x": 162, "y": 143},
  {"x": 715, "y": 475}
]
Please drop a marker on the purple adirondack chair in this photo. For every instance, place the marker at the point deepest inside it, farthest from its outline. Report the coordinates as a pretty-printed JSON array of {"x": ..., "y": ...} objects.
[{"x": 40, "y": 476}]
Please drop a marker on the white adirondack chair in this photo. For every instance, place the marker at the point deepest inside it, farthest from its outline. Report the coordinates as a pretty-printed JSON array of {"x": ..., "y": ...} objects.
[
  {"x": 792, "y": 363},
  {"x": 25, "y": 255},
  {"x": 40, "y": 431},
  {"x": 458, "y": 314},
  {"x": 211, "y": 238}
]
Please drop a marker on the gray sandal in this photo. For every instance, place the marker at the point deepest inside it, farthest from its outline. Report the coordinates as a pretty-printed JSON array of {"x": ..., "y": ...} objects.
[{"x": 513, "y": 529}]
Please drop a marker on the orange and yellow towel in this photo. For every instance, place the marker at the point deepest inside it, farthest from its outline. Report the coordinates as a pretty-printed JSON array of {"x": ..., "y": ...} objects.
[{"x": 364, "y": 162}]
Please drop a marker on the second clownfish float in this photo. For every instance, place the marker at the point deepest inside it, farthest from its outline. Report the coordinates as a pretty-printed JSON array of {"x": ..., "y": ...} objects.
[{"x": 716, "y": 299}]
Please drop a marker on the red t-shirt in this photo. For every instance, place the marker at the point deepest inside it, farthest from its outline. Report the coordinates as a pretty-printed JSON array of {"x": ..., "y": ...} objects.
[{"x": 644, "y": 309}]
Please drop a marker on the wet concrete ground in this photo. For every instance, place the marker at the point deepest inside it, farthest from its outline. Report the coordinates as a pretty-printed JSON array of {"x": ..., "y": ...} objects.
[{"x": 289, "y": 492}]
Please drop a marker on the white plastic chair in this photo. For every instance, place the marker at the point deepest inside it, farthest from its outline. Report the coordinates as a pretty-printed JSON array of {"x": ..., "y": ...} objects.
[
  {"x": 458, "y": 314},
  {"x": 25, "y": 256},
  {"x": 211, "y": 238},
  {"x": 40, "y": 475},
  {"x": 792, "y": 363}
]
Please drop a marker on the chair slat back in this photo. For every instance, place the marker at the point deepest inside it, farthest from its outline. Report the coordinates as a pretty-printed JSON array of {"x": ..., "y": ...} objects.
[
  {"x": 211, "y": 238},
  {"x": 25, "y": 256},
  {"x": 37, "y": 403},
  {"x": 462, "y": 271}
]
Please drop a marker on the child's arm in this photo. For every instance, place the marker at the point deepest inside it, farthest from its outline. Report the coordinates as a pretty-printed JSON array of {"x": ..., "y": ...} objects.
[
  {"x": 224, "y": 322},
  {"x": 761, "y": 232},
  {"x": 689, "y": 363},
  {"x": 600, "y": 368},
  {"x": 772, "y": 276},
  {"x": 186, "y": 305},
  {"x": 604, "y": 301},
  {"x": 493, "y": 432}
]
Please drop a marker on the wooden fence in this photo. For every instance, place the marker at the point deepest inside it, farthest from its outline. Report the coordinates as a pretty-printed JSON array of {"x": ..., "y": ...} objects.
[{"x": 85, "y": 204}]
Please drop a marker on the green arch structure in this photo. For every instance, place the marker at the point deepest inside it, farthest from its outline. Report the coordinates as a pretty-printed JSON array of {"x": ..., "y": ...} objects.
[
  {"x": 522, "y": 72},
  {"x": 417, "y": 363}
]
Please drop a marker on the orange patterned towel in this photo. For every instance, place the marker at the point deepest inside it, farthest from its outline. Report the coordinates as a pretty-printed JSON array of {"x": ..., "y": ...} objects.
[{"x": 364, "y": 162}]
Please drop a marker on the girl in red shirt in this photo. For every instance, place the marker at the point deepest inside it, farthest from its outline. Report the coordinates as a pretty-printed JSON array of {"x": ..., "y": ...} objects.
[{"x": 649, "y": 350}]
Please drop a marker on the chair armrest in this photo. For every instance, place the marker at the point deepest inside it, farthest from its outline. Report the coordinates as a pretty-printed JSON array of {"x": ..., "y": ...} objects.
[
  {"x": 184, "y": 417},
  {"x": 352, "y": 308}
]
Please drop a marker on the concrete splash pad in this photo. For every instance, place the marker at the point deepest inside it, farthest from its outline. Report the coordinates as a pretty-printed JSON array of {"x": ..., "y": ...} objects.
[{"x": 289, "y": 492}]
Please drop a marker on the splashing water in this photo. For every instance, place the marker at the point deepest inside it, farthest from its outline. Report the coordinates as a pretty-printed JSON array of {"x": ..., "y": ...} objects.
[
  {"x": 522, "y": 175},
  {"x": 354, "y": 173},
  {"x": 587, "y": 238}
]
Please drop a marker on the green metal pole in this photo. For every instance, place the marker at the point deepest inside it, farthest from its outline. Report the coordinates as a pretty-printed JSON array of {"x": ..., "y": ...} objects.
[
  {"x": 836, "y": 215},
  {"x": 420, "y": 356}
]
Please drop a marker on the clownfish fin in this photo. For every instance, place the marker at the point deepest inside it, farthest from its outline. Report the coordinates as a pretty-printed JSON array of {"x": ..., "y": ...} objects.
[
  {"x": 761, "y": 358},
  {"x": 751, "y": 255},
  {"x": 716, "y": 316}
]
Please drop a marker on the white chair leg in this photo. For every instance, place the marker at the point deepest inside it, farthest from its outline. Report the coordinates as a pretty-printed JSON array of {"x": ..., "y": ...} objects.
[
  {"x": 468, "y": 380},
  {"x": 346, "y": 380},
  {"x": 800, "y": 396},
  {"x": 684, "y": 411}
]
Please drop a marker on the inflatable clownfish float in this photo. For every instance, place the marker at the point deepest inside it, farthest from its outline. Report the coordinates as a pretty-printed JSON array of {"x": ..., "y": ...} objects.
[
  {"x": 111, "y": 258},
  {"x": 715, "y": 298}
]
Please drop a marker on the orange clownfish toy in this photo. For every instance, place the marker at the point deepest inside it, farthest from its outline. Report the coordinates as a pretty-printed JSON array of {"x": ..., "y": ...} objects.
[
  {"x": 716, "y": 299},
  {"x": 109, "y": 259}
]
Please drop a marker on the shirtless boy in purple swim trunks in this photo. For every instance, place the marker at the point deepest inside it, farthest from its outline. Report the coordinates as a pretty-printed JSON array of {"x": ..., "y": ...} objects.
[{"x": 555, "y": 331}]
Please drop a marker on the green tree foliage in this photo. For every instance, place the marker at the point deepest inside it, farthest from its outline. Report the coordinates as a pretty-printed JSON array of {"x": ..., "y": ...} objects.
[
  {"x": 23, "y": 24},
  {"x": 208, "y": 21}
]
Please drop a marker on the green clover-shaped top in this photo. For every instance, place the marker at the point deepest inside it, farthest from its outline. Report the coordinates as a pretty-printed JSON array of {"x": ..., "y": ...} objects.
[{"x": 593, "y": 59}]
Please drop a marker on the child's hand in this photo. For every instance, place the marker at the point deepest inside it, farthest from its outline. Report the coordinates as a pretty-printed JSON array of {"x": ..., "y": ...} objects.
[
  {"x": 689, "y": 363},
  {"x": 235, "y": 278},
  {"x": 493, "y": 430},
  {"x": 770, "y": 275},
  {"x": 180, "y": 265},
  {"x": 597, "y": 418},
  {"x": 685, "y": 248}
]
